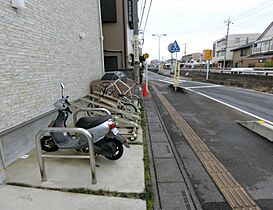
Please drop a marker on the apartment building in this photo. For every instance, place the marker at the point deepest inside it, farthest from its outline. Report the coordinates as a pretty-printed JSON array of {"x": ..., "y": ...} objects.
[
  {"x": 234, "y": 41},
  {"x": 43, "y": 43},
  {"x": 118, "y": 26}
]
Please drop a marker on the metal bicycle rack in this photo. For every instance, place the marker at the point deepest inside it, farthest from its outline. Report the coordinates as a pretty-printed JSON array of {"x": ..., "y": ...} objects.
[
  {"x": 111, "y": 106},
  {"x": 42, "y": 156},
  {"x": 128, "y": 126}
]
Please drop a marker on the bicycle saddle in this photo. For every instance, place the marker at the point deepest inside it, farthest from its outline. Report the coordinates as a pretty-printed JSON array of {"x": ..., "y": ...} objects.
[
  {"x": 121, "y": 94},
  {"x": 90, "y": 122}
]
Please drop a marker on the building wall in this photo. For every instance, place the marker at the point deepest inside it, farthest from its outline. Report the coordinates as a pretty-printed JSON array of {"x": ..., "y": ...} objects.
[
  {"x": 40, "y": 46},
  {"x": 234, "y": 41},
  {"x": 238, "y": 59},
  {"x": 114, "y": 36}
]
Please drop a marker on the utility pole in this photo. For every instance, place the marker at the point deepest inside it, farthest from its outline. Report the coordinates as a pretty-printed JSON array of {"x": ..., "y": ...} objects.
[
  {"x": 228, "y": 21},
  {"x": 136, "y": 43},
  {"x": 159, "y": 36},
  {"x": 185, "y": 51}
]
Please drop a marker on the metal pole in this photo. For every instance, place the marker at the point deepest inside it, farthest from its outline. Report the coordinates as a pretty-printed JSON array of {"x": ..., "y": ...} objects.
[
  {"x": 228, "y": 21},
  {"x": 66, "y": 130},
  {"x": 135, "y": 24},
  {"x": 146, "y": 75},
  {"x": 41, "y": 160},
  {"x": 207, "y": 76}
]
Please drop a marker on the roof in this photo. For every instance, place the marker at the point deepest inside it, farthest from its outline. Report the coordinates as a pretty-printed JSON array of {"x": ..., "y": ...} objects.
[
  {"x": 265, "y": 31},
  {"x": 243, "y": 46}
]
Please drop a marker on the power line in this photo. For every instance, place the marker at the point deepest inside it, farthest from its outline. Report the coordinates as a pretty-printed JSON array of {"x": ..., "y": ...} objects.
[
  {"x": 254, "y": 10},
  {"x": 147, "y": 16},
  {"x": 142, "y": 13}
]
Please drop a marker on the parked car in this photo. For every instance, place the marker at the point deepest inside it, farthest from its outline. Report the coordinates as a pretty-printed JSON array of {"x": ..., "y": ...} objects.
[{"x": 243, "y": 71}]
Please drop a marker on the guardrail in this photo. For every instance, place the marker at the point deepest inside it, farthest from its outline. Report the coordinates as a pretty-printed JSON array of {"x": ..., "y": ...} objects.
[
  {"x": 255, "y": 72},
  {"x": 41, "y": 155}
]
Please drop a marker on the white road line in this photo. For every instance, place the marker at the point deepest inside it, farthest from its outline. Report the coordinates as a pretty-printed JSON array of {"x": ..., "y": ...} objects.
[
  {"x": 231, "y": 106},
  {"x": 224, "y": 103},
  {"x": 205, "y": 86}
]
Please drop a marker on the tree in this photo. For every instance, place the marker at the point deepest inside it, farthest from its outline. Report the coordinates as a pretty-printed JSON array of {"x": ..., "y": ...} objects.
[{"x": 268, "y": 64}]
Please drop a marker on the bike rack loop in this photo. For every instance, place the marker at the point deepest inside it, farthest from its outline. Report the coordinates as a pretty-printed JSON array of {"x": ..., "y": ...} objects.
[
  {"x": 41, "y": 156},
  {"x": 88, "y": 109}
]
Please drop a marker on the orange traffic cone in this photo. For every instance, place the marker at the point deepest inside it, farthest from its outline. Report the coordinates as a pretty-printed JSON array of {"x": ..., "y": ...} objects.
[{"x": 145, "y": 92}]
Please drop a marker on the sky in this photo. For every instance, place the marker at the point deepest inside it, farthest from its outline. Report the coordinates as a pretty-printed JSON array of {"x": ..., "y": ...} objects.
[{"x": 197, "y": 23}]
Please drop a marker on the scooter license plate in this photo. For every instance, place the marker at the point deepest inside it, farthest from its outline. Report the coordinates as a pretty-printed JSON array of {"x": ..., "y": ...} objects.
[{"x": 115, "y": 131}]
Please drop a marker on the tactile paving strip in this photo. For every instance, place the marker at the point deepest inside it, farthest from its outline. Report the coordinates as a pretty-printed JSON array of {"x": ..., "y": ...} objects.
[{"x": 235, "y": 194}]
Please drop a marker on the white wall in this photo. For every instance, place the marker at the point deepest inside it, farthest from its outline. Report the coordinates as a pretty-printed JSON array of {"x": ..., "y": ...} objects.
[{"x": 40, "y": 47}]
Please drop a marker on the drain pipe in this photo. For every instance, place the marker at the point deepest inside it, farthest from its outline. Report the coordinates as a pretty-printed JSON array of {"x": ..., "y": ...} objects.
[
  {"x": 101, "y": 36},
  {"x": 2, "y": 157}
]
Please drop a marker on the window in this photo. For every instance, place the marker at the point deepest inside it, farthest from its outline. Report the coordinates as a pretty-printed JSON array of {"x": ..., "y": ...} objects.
[
  {"x": 108, "y": 11},
  {"x": 257, "y": 48},
  {"x": 237, "y": 39},
  {"x": 244, "y": 52},
  {"x": 110, "y": 63},
  {"x": 271, "y": 45}
]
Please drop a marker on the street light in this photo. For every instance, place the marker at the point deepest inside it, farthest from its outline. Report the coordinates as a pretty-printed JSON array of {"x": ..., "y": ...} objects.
[{"x": 159, "y": 36}]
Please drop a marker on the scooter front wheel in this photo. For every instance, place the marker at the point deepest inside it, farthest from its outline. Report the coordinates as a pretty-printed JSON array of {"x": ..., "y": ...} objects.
[
  {"x": 118, "y": 148},
  {"x": 48, "y": 144}
]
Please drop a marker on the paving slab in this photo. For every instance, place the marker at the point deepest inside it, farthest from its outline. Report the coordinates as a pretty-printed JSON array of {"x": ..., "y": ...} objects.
[
  {"x": 167, "y": 170},
  {"x": 123, "y": 175},
  {"x": 24, "y": 198},
  {"x": 162, "y": 150},
  {"x": 158, "y": 136},
  {"x": 173, "y": 196},
  {"x": 155, "y": 126}
]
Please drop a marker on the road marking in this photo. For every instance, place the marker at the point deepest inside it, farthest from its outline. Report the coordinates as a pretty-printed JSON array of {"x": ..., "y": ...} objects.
[
  {"x": 231, "y": 106},
  {"x": 205, "y": 86},
  {"x": 235, "y": 194},
  {"x": 224, "y": 103}
]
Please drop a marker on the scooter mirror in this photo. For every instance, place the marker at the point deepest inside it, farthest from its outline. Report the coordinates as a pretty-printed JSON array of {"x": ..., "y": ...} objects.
[{"x": 62, "y": 85}]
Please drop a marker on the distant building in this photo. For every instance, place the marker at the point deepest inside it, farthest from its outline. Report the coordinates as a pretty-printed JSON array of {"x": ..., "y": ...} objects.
[
  {"x": 192, "y": 60},
  {"x": 240, "y": 55},
  {"x": 262, "y": 50},
  {"x": 234, "y": 41}
]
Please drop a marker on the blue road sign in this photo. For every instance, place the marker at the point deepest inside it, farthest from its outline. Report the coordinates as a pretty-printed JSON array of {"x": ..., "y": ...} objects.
[{"x": 175, "y": 47}]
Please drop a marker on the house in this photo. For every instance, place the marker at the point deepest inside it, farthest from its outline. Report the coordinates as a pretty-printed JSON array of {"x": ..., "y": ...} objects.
[
  {"x": 193, "y": 60},
  {"x": 240, "y": 54},
  {"x": 262, "y": 51},
  {"x": 117, "y": 26},
  {"x": 221, "y": 51},
  {"x": 41, "y": 45}
]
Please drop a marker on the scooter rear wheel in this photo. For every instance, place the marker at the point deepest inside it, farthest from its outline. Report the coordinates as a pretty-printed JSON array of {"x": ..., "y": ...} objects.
[
  {"x": 48, "y": 144},
  {"x": 118, "y": 150}
]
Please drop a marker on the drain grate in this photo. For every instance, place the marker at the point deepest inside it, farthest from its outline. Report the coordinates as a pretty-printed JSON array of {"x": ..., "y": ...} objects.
[{"x": 235, "y": 194}]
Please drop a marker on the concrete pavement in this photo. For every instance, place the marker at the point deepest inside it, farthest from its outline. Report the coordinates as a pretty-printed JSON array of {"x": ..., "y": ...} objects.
[
  {"x": 68, "y": 184},
  {"x": 173, "y": 190}
]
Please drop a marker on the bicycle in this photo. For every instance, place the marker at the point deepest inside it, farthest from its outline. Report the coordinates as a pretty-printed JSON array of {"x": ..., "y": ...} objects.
[{"x": 107, "y": 88}]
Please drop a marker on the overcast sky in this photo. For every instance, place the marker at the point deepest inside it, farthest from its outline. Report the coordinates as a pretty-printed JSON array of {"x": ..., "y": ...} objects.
[{"x": 200, "y": 22}]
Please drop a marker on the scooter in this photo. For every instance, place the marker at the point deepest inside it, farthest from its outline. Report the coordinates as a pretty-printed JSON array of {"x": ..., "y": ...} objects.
[{"x": 106, "y": 137}]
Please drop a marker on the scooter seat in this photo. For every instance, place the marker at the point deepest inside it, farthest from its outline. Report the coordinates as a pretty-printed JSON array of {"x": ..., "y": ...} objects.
[{"x": 90, "y": 122}]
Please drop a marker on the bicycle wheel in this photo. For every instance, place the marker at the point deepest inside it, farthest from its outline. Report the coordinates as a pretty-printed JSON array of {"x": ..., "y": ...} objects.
[
  {"x": 130, "y": 108},
  {"x": 106, "y": 88},
  {"x": 134, "y": 99},
  {"x": 90, "y": 113}
]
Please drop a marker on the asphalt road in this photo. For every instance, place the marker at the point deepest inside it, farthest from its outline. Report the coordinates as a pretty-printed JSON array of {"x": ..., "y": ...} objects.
[
  {"x": 258, "y": 105},
  {"x": 247, "y": 156}
]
